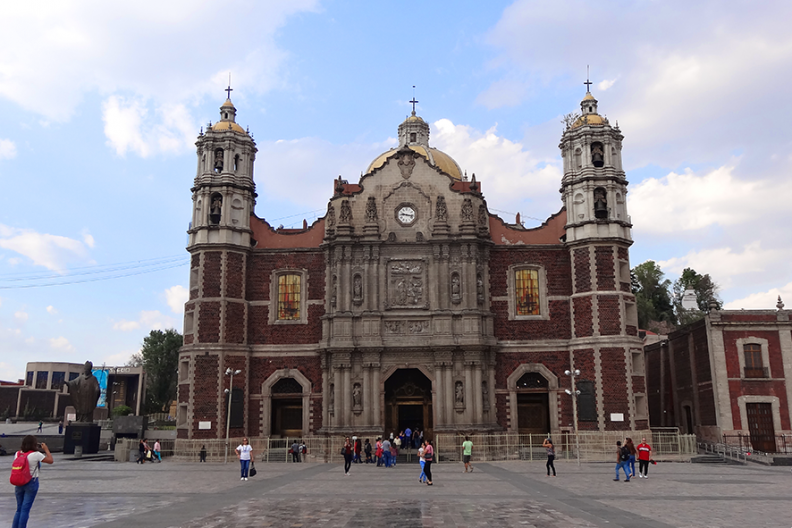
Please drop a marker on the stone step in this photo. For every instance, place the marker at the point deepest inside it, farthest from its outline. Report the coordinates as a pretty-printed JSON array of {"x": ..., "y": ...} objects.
[{"x": 708, "y": 459}]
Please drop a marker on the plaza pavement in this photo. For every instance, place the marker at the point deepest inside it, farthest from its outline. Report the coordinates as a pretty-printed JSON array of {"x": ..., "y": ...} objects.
[{"x": 497, "y": 494}]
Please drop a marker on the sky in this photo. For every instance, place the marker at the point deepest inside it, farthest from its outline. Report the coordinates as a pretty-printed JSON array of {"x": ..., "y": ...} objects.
[{"x": 101, "y": 105}]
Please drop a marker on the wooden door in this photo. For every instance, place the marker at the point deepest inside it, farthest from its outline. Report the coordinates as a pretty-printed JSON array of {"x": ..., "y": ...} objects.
[{"x": 760, "y": 426}]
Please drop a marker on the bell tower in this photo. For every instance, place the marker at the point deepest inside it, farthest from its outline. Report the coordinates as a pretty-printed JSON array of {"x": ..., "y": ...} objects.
[{"x": 604, "y": 314}]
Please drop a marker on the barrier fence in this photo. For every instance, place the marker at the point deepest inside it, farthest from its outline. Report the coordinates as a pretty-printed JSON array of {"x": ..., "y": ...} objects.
[{"x": 590, "y": 446}]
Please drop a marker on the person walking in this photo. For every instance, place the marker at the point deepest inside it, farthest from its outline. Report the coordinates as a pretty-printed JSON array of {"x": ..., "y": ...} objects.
[
  {"x": 467, "y": 451},
  {"x": 628, "y": 443},
  {"x": 141, "y": 451},
  {"x": 367, "y": 451},
  {"x": 428, "y": 459},
  {"x": 60, "y": 427},
  {"x": 26, "y": 494},
  {"x": 202, "y": 454},
  {"x": 244, "y": 453},
  {"x": 548, "y": 444},
  {"x": 378, "y": 451},
  {"x": 408, "y": 441},
  {"x": 358, "y": 449},
  {"x": 303, "y": 451},
  {"x": 622, "y": 461},
  {"x": 157, "y": 449},
  {"x": 295, "y": 451},
  {"x": 348, "y": 453},
  {"x": 422, "y": 461},
  {"x": 644, "y": 456},
  {"x": 40, "y": 427}
]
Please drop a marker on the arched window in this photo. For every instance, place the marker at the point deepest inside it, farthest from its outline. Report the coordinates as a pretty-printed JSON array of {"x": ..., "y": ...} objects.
[
  {"x": 532, "y": 380},
  {"x": 526, "y": 291}
]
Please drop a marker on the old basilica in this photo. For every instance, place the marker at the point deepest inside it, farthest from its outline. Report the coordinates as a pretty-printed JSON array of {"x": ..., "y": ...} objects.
[{"x": 409, "y": 303}]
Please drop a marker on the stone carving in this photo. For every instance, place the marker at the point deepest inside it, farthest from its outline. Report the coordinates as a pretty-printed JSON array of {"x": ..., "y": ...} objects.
[
  {"x": 406, "y": 164},
  {"x": 391, "y": 237},
  {"x": 482, "y": 216},
  {"x": 346, "y": 213},
  {"x": 417, "y": 327},
  {"x": 419, "y": 237},
  {"x": 479, "y": 288},
  {"x": 406, "y": 267},
  {"x": 406, "y": 327},
  {"x": 459, "y": 394},
  {"x": 441, "y": 210},
  {"x": 456, "y": 290},
  {"x": 84, "y": 391},
  {"x": 467, "y": 211},
  {"x": 331, "y": 216},
  {"x": 356, "y": 396},
  {"x": 371, "y": 210},
  {"x": 405, "y": 284},
  {"x": 394, "y": 327},
  {"x": 357, "y": 288}
]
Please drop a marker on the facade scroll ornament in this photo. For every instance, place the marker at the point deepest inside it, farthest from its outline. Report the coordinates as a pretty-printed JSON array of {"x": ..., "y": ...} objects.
[
  {"x": 482, "y": 216},
  {"x": 467, "y": 211},
  {"x": 406, "y": 164},
  {"x": 331, "y": 219},
  {"x": 346, "y": 213},
  {"x": 441, "y": 210},
  {"x": 371, "y": 210}
]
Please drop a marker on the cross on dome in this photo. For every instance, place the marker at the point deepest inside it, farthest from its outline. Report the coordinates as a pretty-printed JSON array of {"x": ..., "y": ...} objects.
[
  {"x": 413, "y": 101},
  {"x": 588, "y": 83}
]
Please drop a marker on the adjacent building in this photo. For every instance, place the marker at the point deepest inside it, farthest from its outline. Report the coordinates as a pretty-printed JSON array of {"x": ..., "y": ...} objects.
[{"x": 409, "y": 303}]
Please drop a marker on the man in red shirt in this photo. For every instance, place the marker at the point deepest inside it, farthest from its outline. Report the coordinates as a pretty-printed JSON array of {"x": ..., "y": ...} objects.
[{"x": 644, "y": 455}]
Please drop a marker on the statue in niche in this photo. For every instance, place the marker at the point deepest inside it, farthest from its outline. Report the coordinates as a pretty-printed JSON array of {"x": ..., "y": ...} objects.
[
  {"x": 479, "y": 288},
  {"x": 391, "y": 237},
  {"x": 218, "y": 163},
  {"x": 371, "y": 210},
  {"x": 331, "y": 403},
  {"x": 331, "y": 216},
  {"x": 406, "y": 164},
  {"x": 84, "y": 391},
  {"x": 600, "y": 203},
  {"x": 597, "y": 155},
  {"x": 467, "y": 211},
  {"x": 455, "y": 287},
  {"x": 419, "y": 237},
  {"x": 459, "y": 395},
  {"x": 356, "y": 396},
  {"x": 484, "y": 396},
  {"x": 482, "y": 215},
  {"x": 357, "y": 288},
  {"x": 346, "y": 212},
  {"x": 334, "y": 288},
  {"x": 441, "y": 211}
]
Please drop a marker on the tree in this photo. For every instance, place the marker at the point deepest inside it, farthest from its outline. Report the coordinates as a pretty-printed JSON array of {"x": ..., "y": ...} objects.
[
  {"x": 706, "y": 292},
  {"x": 160, "y": 353},
  {"x": 652, "y": 296}
]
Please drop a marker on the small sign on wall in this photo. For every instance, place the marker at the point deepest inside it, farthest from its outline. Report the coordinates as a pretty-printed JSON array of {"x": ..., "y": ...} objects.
[
  {"x": 204, "y": 425},
  {"x": 617, "y": 417}
]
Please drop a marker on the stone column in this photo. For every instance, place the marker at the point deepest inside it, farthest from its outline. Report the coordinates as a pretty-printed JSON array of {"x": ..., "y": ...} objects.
[
  {"x": 478, "y": 410},
  {"x": 337, "y": 403},
  {"x": 347, "y": 397},
  {"x": 440, "y": 413},
  {"x": 449, "y": 395},
  {"x": 365, "y": 416},
  {"x": 376, "y": 390},
  {"x": 469, "y": 408}
]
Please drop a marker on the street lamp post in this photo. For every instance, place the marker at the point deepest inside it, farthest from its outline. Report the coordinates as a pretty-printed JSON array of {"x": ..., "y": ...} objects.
[
  {"x": 230, "y": 391},
  {"x": 574, "y": 393}
]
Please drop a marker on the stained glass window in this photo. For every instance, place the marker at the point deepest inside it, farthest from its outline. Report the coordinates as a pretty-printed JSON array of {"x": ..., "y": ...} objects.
[
  {"x": 526, "y": 286},
  {"x": 289, "y": 297}
]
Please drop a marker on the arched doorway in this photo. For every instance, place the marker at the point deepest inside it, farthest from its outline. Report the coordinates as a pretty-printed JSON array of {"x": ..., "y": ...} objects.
[
  {"x": 408, "y": 402},
  {"x": 287, "y": 410},
  {"x": 533, "y": 409}
]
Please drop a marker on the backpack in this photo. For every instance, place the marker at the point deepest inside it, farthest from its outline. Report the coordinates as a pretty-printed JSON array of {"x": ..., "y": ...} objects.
[
  {"x": 20, "y": 470},
  {"x": 625, "y": 454}
]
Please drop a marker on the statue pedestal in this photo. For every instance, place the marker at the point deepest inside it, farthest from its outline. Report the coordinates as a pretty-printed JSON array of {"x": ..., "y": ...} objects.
[{"x": 85, "y": 435}]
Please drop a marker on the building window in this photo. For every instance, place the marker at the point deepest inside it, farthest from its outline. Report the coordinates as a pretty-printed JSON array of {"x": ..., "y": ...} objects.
[
  {"x": 753, "y": 361},
  {"x": 289, "y": 291},
  {"x": 29, "y": 379},
  {"x": 41, "y": 380},
  {"x": 58, "y": 378},
  {"x": 526, "y": 290}
]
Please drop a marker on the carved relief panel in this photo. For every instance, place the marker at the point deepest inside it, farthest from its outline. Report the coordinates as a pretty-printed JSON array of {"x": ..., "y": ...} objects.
[{"x": 407, "y": 284}]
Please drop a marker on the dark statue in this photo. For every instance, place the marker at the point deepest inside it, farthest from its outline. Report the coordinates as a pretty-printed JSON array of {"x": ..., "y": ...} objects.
[{"x": 84, "y": 391}]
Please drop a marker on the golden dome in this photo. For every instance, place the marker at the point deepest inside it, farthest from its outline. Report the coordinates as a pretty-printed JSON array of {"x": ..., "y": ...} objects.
[
  {"x": 590, "y": 119},
  {"x": 227, "y": 103},
  {"x": 589, "y": 97},
  {"x": 222, "y": 126},
  {"x": 442, "y": 161},
  {"x": 415, "y": 118}
]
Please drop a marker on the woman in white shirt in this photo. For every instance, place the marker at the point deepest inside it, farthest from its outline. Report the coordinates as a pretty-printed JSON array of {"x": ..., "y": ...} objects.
[
  {"x": 25, "y": 495},
  {"x": 244, "y": 454},
  {"x": 422, "y": 476}
]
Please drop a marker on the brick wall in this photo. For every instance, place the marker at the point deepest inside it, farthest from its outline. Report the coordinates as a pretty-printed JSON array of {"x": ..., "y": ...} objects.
[
  {"x": 502, "y": 410},
  {"x": 609, "y": 314},
  {"x": 211, "y": 273},
  {"x": 235, "y": 268},
  {"x": 234, "y": 323},
  {"x": 614, "y": 387},
  {"x": 606, "y": 274},
  {"x": 558, "y": 326},
  {"x": 582, "y": 270},
  {"x": 584, "y": 322},
  {"x": 184, "y": 393},
  {"x": 209, "y": 322},
  {"x": 205, "y": 395},
  {"x": 262, "y": 368},
  {"x": 773, "y": 348},
  {"x": 506, "y": 363},
  {"x": 555, "y": 262}
]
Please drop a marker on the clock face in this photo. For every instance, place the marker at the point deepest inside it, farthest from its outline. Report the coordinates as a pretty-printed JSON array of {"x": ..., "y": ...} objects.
[{"x": 406, "y": 215}]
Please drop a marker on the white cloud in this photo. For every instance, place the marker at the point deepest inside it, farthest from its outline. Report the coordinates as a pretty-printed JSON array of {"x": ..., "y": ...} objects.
[
  {"x": 605, "y": 84},
  {"x": 147, "y": 320},
  {"x": 690, "y": 201},
  {"x": 61, "y": 343},
  {"x": 128, "y": 130},
  {"x": 176, "y": 296},
  {"x": 763, "y": 300},
  {"x": 53, "y": 252},
  {"x": 52, "y": 310},
  {"x": 21, "y": 316},
  {"x": 88, "y": 239},
  {"x": 7, "y": 149}
]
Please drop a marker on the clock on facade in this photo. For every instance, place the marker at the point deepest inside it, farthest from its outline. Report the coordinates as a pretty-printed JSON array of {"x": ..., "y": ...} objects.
[{"x": 405, "y": 215}]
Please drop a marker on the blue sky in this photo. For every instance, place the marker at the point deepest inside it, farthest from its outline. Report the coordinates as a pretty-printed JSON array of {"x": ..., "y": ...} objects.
[{"x": 101, "y": 108}]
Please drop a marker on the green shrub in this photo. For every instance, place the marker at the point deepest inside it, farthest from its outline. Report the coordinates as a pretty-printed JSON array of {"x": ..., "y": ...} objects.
[{"x": 122, "y": 410}]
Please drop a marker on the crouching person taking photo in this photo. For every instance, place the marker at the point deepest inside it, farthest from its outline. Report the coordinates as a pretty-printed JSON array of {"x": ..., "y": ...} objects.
[{"x": 25, "y": 477}]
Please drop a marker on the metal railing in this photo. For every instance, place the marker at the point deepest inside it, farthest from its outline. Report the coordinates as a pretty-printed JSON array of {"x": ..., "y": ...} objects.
[
  {"x": 756, "y": 372},
  {"x": 724, "y": 450},
  {"x": 593, "y": 446},
  {"x": 748, "y": 443}
]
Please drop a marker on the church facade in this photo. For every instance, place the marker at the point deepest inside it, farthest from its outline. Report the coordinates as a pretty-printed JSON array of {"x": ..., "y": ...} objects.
[{"x": 410, "y": 304}]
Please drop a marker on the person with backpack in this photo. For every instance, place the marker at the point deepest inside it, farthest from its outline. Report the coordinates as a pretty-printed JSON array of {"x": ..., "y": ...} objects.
[
  {"x": 295, "y": 451},
  {"x": 628, "y": 443},
  {"x": 622, "y": 461},
  {"x": 25, "y": 477},
  {"x": 303, "y": 451}
]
